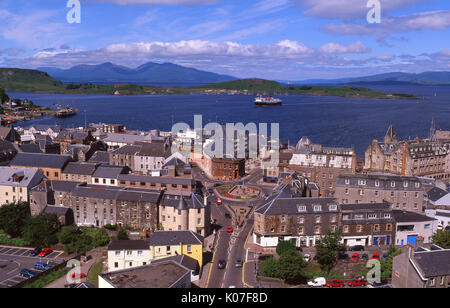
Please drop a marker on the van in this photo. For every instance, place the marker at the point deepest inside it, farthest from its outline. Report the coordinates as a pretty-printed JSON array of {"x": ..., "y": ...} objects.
[{"x": 318, "y": 282}]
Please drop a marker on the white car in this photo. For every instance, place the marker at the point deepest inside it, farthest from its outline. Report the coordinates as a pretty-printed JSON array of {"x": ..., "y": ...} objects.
[{"x": 318, "y": 282}]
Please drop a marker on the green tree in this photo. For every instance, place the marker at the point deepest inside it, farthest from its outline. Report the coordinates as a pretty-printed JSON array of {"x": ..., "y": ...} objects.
[
  {"x": 3, "y": 96},
  {"x": 291, "y": 267},
  {"x": 69, "y": 235},
  {"x": 386, "y": 266},
  {"x": 122, "y": 235},
  {"x": 42, "y": 230},
  {"x": 13, "y": 217},
  {"x": 270, "y": 268},
  {"x": 327, "y": 250},
  {"x": 284, "y": 246},
  {"x": 442, "y": 239},
  {"x": 100, "y": 238}
]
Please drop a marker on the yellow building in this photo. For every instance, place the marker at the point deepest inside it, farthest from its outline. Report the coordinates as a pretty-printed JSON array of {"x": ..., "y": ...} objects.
[{"x": 165, "y": 244}]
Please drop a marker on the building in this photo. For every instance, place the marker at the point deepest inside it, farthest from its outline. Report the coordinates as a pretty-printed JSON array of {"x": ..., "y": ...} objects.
[
  {"x": 422, "y": 268},
  {"x": 79, "y": 172},
  {"x": 418, "y": 157},
  {"x": 164, "y": 275},
  {"x": 403, "y": 193},
  {"x": 8, "y": 133},
  {"x": 151, "y": 157},
  {"x": 437, "y": 198},
  {"x": 7, "y": 152},
  {"x": 185, "y": 212},
  {"x": 16, "y": 183},
  {"x": 410, "y": 226},
  {"x": 128, "y": 254},
  {"x": 322, "y": 165},
  {"x": 177, "y": 184},
  {"x": 271, "y": 174},
  {"x": 186, "y": 261},
  {"x": 115, "y": 141},
  {"x": 50, "y": 130},
  {"x": 64, "y": 214},
  {"x": 442, "y": 217},
  {"x": 164, "y": 244},
  {"x": 108, "y": 175},
  {"x": 51, "y": 165},
  {"x": 304, "y": 219},
  {"x": 370, "y": 224}
]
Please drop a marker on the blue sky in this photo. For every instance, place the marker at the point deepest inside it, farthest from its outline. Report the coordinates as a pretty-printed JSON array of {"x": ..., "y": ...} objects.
[{"x": 273, "y": 39}]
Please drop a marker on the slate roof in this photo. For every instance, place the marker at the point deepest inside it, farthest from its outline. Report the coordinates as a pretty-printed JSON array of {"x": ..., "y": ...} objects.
[
  {"x": 40, "y": 160},
  {"x": 63, "y": 186},
  {"x": 280, "y": 206},
  {"x": 184, "y": 260},
  {"x": 128, "y": 150},
  {"x": 433, "y": 263},
  {"x": 109, "y": 172},
  {"x": 4, "y": 131},
  {"x": 30, "y": 148},
  {"x": 182, "y": 202},
  {"x": 436, "y": 193},
  {"x": 123, "y": 138},
  {"x": 403, "y": 216},
  {"x": 169, "y": 238},
  {"x": 80, "y": 168},
  {"x": 57, "y": 210},
  {"x": 155, "y": 150},
  {"x": 29, "y": 177},
  {"x": 156, "y": 179},
  {"x": 384, "y": 182},
  {"x": 7, "y": 147},
  {"x": 100, "y": 157},
  {"x": 128, "y": 245}
]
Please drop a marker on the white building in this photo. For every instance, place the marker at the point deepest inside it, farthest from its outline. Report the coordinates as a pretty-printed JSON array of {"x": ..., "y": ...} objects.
[
  {"x": 15, "y": 183},
  {"x": 128, "y": 254}
]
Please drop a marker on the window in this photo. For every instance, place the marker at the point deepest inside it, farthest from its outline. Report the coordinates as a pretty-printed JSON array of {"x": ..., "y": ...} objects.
[
  {"x": 359, "y": 228},
  {"x": 388, "y": 227},
  {"x": 317, "y": 219},
  {"x": 377, "y": 183},
  {"x": 376, "y": 228},
  {"x": 358, "y": 216},
  {"x": 117, "y": 253},
  {"x": 129, "y": 252},
  {"x": 346, "y": 229},
  {"x": 140, "y": 253},
  {"x": 116, "y": 264},
  {"x": 333, "y": 218},
  {"x": 372, "y": 216},
  {"x": 347, "y": 181},
  {"x": 317, "y": 208},
  {"x": 189, "y": 248},
  {"x": 317, "y": 229},
  {"x": 301, "y": 230},
  {"x": 301, "y": 208},
  {"x": 432, "y": 282},
  {"x": 392, "y": 184},
  {"x": 301, "y": 220},
  {"x": 333, "y": 207}
]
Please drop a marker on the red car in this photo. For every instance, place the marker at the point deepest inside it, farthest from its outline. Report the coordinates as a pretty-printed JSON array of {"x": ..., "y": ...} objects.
[
  {"x": 45, "y": 252},
  {"x": 355, "y": 256},
  {"x": 335, "y": 283},
  {"x": 230, "y": 229},
  {"x": 78, "y": 275},
  {"x": 219, "y": 201},
  {"x": 376, "y": 256},
  {"x": 357, "y": 283}
]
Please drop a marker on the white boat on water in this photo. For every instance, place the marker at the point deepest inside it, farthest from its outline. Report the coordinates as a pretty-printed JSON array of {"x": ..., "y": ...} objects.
[{"x": 268, "y": 101}]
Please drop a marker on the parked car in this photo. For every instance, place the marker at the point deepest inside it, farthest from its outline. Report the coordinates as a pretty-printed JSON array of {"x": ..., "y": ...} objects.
[
  {"x": 336, "y": 284},
  {"x": 357, "y": 248},
  {"x": 230, "y": 229},
  {"x": 35, "y": 252},
  {"x": 344, "y": 257},
  {"x": 27, "y": 273},
  {"x": 239, "y": 262},
  {"x": 365, "y": 256},
  {"x": 221, "y": 264},
  {"x": 42, "y": 266},
  {"x": 357, "y": 283},
  {"x": 355, "y": 257},
  {"x": 384, "y": 257},
  {"x": 45, "y": 252},
  {"x": 219, "y": 201},
  {"x": 307, "y": 257},
  {"x": 318, "y": 282},
  {"x": 78, "y": 275},
  {"x": 376, "y": 255}
]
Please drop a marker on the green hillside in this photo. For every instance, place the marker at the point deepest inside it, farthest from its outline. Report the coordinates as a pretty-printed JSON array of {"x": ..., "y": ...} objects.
[{"x": 15, "y": 79}]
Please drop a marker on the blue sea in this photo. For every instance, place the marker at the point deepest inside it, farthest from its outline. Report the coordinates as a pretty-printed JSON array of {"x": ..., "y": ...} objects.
[{"x": 331, "y": 121}]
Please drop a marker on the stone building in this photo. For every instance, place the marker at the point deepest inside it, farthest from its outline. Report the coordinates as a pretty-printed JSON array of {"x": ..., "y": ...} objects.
[
  {"x": 323, "y": 165},
  {"x": 51, "y": 165},
  {"x": 403, "y": 193},
  {"x": 16, "y": 183}
]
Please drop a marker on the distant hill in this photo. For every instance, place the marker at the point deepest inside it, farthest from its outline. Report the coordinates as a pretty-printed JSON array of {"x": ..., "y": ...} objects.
[
  {"x": 147, "y": 73},
  {"x": 388, "y": 78},
  {"x": 15, "y": 79}
]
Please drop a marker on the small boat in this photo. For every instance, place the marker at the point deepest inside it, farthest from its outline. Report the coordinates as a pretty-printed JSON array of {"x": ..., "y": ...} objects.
[
  {"x": 66, "y": 112},
  {"x": 268, "y": 101}
]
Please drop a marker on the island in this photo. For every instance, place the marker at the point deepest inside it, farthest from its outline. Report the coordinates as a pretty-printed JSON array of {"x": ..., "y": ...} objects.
[{"x": 23, "y": 80}]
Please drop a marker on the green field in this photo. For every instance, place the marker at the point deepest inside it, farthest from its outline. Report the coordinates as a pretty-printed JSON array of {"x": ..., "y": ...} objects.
[{"x": 20, "y": 80}]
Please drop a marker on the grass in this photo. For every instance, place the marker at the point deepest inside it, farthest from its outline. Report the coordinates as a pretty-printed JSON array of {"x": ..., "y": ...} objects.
[
  {"x": 94, "y": 272},
  {"x": 5, "y": 240},
  {"x": 47, "y": 279}
]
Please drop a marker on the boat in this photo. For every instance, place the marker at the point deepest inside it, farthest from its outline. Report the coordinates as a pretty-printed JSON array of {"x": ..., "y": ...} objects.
[
  {"x": 268, "y": 101},
  {"x": 66, "y": 112}
]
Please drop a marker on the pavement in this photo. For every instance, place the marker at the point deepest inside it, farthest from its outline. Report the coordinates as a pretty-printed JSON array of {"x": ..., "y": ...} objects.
[{"x": 14, "y": 259}]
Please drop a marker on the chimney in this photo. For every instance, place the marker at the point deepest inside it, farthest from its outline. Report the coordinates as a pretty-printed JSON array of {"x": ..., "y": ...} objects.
[{"x": 205, "y": 200}]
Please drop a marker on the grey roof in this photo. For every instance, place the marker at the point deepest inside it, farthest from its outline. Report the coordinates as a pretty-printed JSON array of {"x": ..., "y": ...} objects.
[
  {"x": 57, "y": 210},
  {"x": 384, "y": 182},
  {"x": 115, "y": 193},
  {"x": 30, "y": 148},
  {"x": 175, "y": 162},
  {"x": 184, "y": 260},
  {"x": 404, "y": 216},
  {"x": 100, "y": 157},
  {"x": 77, "y": 148},
  {"x": 25, "y": 177},
  {"x": 40, "y": 160},
  {"x": 433, "y": 263},
  {"x": 4, "y": 131},
  {"x": 7, "y": 147},
  {"x": 109, "y": 172},
  {"x": 168, "y": 238},
  {"x": 80, "y": 168},
  {"x": 366, "y": 207},
  {"x": 128, "y": 150},
  {"x": 182, "y": 202},
  {"x": 436, "y": 193},
  {"x": 154, "y": 179},
  {"x": 281, "y": 206},
  {"x": 123, "y": 138},
  {"x": 43, "y": 127},
  {"x": 128, "y": 245},
  {"x": 155, "y": 150},
  {"x": 63, "y": 186}
]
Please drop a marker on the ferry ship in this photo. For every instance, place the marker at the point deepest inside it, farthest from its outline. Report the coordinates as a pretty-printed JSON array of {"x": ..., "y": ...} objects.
[
  {"x": 268, "y": 101},
  {"x": 66, "y": 112}
]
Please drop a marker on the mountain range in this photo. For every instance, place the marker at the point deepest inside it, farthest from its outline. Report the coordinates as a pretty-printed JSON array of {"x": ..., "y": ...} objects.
[
  {"x": 388, "y": 78},
  {"x": 148, "y": 73}
]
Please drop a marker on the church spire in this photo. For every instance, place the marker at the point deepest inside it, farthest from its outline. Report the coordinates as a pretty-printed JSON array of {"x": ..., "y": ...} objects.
[{"x": 390, "y": 136}]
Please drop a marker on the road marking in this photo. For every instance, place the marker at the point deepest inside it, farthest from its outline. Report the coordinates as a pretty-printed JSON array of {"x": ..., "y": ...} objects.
[
  {"x": 243, "y": 274},
  {"x": 212, "y": 261}
]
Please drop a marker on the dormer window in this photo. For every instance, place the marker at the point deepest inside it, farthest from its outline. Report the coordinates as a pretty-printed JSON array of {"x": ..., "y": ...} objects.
[
  {"x": 361, "y": 182},
  {"x": 377, "y": 183},
  {"x": 317, "y": 208},
  {"x": 347, "y": 181},
  {"x": 332, "y": 207},
  {"x": 405, "y": 184},
  {"x": 301, "y": 208},
  {"x": 392, "y": 183}
]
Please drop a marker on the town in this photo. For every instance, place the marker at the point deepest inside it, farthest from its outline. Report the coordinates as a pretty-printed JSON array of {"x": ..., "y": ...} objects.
[{"x": 123, "y": 204}]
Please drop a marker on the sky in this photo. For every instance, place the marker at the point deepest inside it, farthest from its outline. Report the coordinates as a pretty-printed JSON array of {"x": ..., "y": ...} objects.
[{"x": 272, "y": 39}]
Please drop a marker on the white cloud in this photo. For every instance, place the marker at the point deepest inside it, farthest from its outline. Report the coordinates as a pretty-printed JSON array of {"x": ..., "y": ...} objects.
[
  {"x": 167, "y": 2},
  {"x": 337, "y": 48}
]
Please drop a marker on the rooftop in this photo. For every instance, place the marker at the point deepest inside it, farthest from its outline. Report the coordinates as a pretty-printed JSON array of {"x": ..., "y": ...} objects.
[
  {"x": 404, "y": 216},
  {"x": 168, "y": 238},
  {"x": 128, "y": 245},
  {"x": 433, "y": 262},
  {"x": 40, "y": 160},
  {"x": 80, "y": 168}
]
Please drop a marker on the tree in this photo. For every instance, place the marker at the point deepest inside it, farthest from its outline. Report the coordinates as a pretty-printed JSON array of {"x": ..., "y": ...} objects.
[
  {"x": 327, "y": 250},
  {"x": 69, "y": 235},
  {"x": 42, "y": 230},
  {"x": 122, "y": 235},
  {"x": 442, "y": 239},
  {"x": 291, "y": 267},
  {"x": 100, "y": 238},
  {"x": 3, "y": 96},
  {"x": 284, "y": 246},
  {"x": 386, "y": 266},
  {"x": 13, "y": 217},
  {"x": 270, "y": 268}
]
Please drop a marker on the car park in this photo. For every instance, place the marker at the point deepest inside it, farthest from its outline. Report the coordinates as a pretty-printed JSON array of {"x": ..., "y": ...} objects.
[
  {"x": 45, "y": 252},
  {"x": 221, "y": 264},
  {"x": 336, "y": 284},
  {"x": 27, "y": 273},
  {"x": 42, "y": 266},
  {"x": 318, "y": 282},
  {"x": 357, "y": 283},
  {"x": 355, "y": 257},
  {"x": 239, "y": 262}
]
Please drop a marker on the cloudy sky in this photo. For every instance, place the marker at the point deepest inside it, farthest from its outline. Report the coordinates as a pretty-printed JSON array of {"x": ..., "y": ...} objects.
[{"x": 273, "y": 39}]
